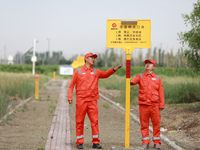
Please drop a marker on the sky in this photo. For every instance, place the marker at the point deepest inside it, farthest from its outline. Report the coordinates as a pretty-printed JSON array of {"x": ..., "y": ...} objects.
[{"x": 79, "y": 26}]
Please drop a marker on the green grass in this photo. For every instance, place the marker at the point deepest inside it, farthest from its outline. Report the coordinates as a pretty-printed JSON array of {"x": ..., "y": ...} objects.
[
  {"x": 3, "y": 105},
  {"x": 7, "y": 119},
  {"x": 41, "y": 69},
  {"x": 40, "y": 148},
  {"x": 182, "y": 92},
  {"x": 52, "y": 109},
  {"x": 106, "y": 106},
  {"x": 48, "y": 70},
  {"x": 176, "y": 89},
  {"x": 17, "y": 86},
  {"x": 170, "y": 72},
  {"x": 24, "y": 108},
  {"x": 22, "y": 85}
]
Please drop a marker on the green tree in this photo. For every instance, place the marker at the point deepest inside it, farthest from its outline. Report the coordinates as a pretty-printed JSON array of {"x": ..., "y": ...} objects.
[
  {"x": 171, "y": 59},
  {"x": 155, "y": 54},
  {"x": 141, "y": 58},
  {"x": 163, "y": 58},
  {"x": 160, "y": 57},
  {"x": 192, "y": 38},
  {"x": 100, "y": 62}
]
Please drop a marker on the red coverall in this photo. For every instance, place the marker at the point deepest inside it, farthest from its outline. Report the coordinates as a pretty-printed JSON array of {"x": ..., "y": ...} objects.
[
  {"x": 151, "y": 99},
  {"x": 87, "y": 94}
]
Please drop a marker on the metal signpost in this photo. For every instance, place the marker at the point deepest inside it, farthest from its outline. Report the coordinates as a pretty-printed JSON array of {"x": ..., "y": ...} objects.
[{"x": 128, "y": 35}]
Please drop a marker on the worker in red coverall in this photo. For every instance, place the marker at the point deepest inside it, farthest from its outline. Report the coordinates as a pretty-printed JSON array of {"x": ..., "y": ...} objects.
[
  {"x": 86, "y": 81},
  {"x": 151, "y": 102}
]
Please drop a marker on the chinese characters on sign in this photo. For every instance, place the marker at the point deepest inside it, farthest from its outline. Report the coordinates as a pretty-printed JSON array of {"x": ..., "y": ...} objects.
[{"x": 121, "y": 35}]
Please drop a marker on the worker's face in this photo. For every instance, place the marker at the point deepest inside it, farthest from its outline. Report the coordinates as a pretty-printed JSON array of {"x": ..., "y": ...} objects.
[
  {"x": 90, "y": 60},
  {"x": 149, "y": 66}
]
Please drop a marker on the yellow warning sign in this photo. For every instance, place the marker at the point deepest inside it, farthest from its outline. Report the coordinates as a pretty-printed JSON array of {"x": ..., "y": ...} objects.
[
  {"x": 79, "y": 62},
  {"x": 128, "y": 33},
  {"x": 81, "y": 59}
]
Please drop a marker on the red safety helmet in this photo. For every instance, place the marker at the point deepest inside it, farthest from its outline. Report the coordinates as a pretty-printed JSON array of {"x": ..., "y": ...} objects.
[
  {"x": 151, "y": 61},
  {"x": 90, "y": 54}
]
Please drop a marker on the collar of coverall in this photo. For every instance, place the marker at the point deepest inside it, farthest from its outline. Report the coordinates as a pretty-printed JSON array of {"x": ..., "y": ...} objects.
[
  {"x": 86, "y": 68},
  {"x": 152, "y": 74}
]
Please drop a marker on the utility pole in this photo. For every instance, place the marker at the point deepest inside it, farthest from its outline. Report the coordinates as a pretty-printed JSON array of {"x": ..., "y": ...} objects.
[
  {"x": 48, "y": 39},
  {"x": 34, "y": 58}
]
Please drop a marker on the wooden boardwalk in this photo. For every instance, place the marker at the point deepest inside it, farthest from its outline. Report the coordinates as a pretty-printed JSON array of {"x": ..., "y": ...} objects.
[{"x": 59, "y": 134}]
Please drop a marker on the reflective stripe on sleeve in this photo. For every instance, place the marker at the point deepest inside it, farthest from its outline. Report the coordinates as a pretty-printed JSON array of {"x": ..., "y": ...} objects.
[
  {"x": 94, "y": 70},
  {"x": 95, "y": 136},
  {"x": 79, "y": 137},
  {"x": 156, "y": 138},
  {"x": 146, "y": 138}
]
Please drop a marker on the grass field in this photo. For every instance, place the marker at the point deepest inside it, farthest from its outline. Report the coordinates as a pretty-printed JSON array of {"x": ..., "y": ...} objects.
[
  {"x": 179, "y": 88},
  {"x": 181, "y": 85},
  {"x": 14, "y": 86}
]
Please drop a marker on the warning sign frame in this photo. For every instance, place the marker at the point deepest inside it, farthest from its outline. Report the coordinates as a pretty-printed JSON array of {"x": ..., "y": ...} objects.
[{"x": 123, "y": 33}]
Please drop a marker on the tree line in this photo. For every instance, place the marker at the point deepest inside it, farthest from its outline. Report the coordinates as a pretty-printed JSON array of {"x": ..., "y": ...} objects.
[
  {"x": 163, "y": 59},
  {"x": 108, "y": 58}
]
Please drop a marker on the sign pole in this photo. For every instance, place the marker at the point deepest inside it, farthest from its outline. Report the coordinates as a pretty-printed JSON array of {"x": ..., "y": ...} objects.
[
  {"x": 127, "y": 117},
  {"x": 128, "y": 51}
]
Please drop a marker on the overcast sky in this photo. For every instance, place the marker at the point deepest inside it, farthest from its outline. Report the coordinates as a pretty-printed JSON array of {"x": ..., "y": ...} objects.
[{"x": 79, "y": 26}]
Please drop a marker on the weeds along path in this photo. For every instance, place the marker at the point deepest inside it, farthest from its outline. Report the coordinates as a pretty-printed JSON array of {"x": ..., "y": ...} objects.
[{"x": 29, "y": 126}]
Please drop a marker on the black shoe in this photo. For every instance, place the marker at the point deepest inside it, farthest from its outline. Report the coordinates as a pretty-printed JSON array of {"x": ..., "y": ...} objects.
[
  {"x": 157, "y": 146},
  {"x": 97, "y": 146},
  {"x": 80, "y": 146},
  {"x": 145, "y": 146}
]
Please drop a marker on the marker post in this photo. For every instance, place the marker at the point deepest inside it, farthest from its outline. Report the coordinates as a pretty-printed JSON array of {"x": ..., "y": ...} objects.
[
  {"x": 128, "y": 51},
  {"x": 37, "y": 87}
]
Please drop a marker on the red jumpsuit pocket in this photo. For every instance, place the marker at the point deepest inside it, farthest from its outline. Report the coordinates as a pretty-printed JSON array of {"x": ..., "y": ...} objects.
[
  {"x": 155, "y": 96},
  {"x": 82, "y": 93},
  {"x": 155, "y": 85},
  {"x": 142, "y": 95}
]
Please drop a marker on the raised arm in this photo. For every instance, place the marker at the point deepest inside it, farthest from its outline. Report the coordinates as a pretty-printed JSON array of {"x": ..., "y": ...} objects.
[{"x": 106, "y": 74}]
